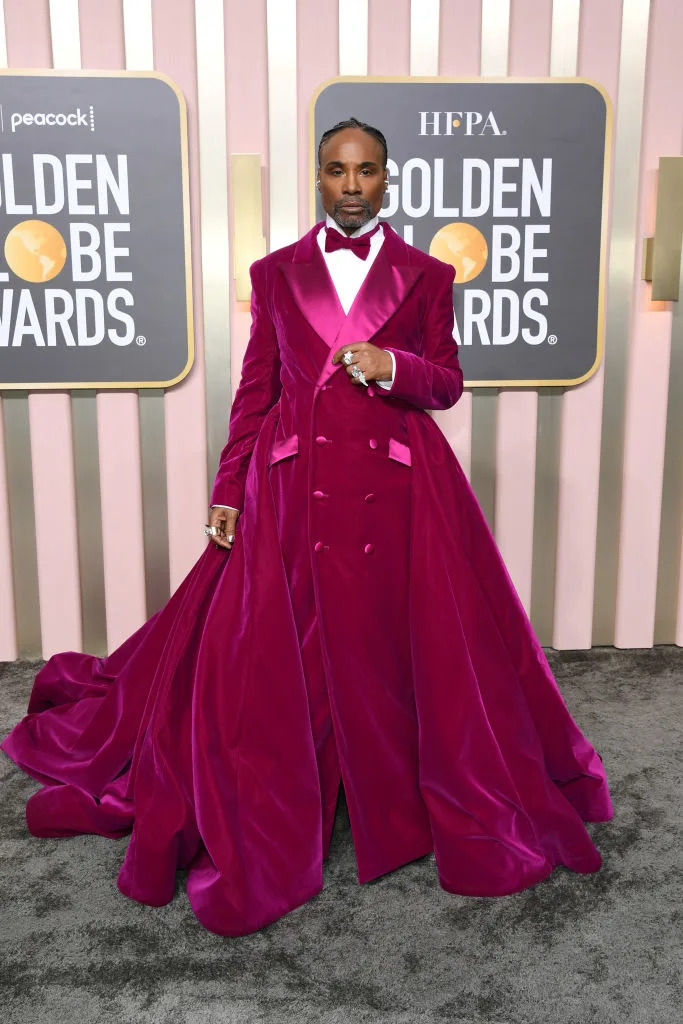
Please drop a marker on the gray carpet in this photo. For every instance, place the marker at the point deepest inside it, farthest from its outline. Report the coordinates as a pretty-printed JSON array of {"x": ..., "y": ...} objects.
[{"x": 597, "y": 949}]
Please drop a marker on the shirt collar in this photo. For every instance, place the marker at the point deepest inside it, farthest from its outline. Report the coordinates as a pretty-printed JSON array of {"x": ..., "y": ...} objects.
[{"x": 371, "y": 224}]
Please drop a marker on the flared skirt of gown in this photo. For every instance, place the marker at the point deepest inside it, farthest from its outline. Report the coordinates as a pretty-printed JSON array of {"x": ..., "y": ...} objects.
[{"x": 218, "y": 733}]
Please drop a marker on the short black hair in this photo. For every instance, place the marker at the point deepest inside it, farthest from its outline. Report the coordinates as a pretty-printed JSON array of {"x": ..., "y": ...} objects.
[{"x": 353, "y": 122}]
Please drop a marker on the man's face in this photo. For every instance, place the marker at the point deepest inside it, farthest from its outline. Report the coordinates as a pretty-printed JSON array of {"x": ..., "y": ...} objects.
[{"x": 351, "y": 176}]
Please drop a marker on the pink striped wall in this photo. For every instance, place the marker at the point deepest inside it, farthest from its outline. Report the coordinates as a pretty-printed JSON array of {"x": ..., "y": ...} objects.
[
  {"x": 599, "y": 41},
  {"x": 648, "y": 367},
  {"x": 118, "y": 425},
  {"x": 29, "y": 45},
  {"x": 247, "y": 125},
  {"x": 174, "y": 55}
]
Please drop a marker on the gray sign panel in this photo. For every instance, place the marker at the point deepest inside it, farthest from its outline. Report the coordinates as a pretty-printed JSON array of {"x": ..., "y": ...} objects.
[
  {"x": 95, "y": 262},
  {"x": 506, "y": 181}
]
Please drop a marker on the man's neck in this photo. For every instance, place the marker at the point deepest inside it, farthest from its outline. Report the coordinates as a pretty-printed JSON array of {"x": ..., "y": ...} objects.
[{"x": 330, "y": 222}]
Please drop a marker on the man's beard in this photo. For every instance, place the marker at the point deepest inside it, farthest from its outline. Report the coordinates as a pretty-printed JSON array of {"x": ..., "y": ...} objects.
[{"x": 345, "y": 219}]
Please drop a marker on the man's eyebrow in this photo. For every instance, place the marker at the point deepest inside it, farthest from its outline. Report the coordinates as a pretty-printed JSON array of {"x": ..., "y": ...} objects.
[{"x": 339, "y": 163}]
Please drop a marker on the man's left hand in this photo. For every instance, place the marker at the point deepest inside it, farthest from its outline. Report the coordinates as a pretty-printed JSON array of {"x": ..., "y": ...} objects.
[{"x": 375, "y": 363}]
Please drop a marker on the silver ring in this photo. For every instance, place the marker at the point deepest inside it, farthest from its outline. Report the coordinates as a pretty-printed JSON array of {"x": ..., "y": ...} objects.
[
  {"x": 210, "y": 531},
  {"x": 348, "y": 358},
  {"x": 231, "y": 537},
  {"x": 359, "y": 375}
]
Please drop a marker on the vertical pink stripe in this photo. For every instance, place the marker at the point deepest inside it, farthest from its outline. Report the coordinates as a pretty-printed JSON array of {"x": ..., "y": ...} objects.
[
  {"x": 187, "y": 485},
  {"x": 460, "y": 37},
  {"x": 529, "y": 42},
  {"x": 118, "y": 427},
  {"x": 27, "y": 25},
  {"x": 317, "y": 53},
  {"x": 648, "y": 372},
  {"x": 28, "y": 45},
  {"x": 56, "y": 537},
  {"x": 516, "y": 419},
  {"x": 459, "y": 55},
  {"x": 600, "y": 36},
  {"x": 8, "y": 639},
  {"x": 246, "y": 68},
  {"x": 389, "y": 37}
]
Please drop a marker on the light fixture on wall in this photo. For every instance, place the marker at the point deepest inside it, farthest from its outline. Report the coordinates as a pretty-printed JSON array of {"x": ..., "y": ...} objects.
[
  {"x": 249, "y": 243},
  {"x": 662, "y": 254}
]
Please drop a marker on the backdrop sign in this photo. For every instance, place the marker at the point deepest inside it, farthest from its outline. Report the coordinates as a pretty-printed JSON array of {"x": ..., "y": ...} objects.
[
  {"x": 506, "y": 180},
  {"x": 95, "y": 262}
]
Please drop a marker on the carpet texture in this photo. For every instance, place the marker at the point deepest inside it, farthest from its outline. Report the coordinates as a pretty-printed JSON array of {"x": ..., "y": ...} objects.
[{"x": 576, "y": 949}]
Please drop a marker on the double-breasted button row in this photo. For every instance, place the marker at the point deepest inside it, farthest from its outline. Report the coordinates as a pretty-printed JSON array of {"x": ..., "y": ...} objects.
[{"x": 320, "y": 547}]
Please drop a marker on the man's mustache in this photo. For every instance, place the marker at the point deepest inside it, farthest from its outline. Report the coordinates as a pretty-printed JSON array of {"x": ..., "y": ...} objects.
[{"x": 342, "y": 203}]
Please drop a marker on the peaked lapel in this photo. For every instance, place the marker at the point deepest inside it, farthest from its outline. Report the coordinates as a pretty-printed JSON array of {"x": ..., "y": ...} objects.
[
  {"x": 386, "y": 286},
  {"x": 312, "y": 288}
]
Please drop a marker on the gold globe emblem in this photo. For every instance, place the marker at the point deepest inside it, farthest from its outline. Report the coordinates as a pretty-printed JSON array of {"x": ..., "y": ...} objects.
[
  {"x": 35, "y": 251},
  {"x": 464, "y": 247}
]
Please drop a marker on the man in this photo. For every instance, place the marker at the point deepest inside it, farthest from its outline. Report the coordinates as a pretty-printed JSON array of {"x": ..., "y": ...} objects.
[
  {"x": 352, "y": 180},
  {"x": 351, "y": 622}
]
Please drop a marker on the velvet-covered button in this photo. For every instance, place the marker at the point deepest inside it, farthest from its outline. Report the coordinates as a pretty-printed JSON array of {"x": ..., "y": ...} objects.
[
  {"x": 319, "y": 495},
  {"x": 321, "y": 439},
  {"x": 318, "y": 545},
  {"x": 372, "y": 442},
  {"x": 369, "y": 548},
  {"x": 371, "y": 390},
  {"x": 370, "y": 497}
]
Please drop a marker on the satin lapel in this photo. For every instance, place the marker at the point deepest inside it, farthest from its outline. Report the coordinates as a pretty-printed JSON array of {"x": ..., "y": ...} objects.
[
  {"x": 312, "y": 288},
  {"x": 387, "y": 285}
]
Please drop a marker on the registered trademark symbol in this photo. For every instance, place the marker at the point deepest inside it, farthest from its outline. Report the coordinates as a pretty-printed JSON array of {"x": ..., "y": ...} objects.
[
  {"x": 504, "y": 133},
  {"x": 142, "y": 340},
  {"x": 552, "y": 339}
]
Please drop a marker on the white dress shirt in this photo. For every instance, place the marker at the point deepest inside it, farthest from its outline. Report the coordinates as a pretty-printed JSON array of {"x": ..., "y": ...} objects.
[{"x": 348, "y": 272}]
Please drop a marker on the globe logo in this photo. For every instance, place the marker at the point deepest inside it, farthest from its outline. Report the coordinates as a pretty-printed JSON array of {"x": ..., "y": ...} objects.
[
  {"x": 35, "y": 251},
  {"x": 464, "y": 247}
]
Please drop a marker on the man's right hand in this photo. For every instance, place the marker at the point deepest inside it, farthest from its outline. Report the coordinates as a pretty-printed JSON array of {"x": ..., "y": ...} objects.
[{"x": 226, "y": 521}]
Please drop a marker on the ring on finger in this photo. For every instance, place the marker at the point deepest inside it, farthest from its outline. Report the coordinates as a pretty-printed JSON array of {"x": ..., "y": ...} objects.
[{"x": 348, "y": 358}]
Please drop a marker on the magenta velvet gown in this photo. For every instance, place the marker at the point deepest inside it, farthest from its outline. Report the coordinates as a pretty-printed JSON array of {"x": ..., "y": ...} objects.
[{"x": 363, "y": 630}]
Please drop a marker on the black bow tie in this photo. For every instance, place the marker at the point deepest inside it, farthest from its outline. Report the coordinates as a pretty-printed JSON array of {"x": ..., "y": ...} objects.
[{"x": 358, "y": 244}]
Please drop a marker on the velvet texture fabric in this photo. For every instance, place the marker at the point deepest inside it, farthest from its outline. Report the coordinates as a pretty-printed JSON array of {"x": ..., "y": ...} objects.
[{"x": 362, "y": 629}]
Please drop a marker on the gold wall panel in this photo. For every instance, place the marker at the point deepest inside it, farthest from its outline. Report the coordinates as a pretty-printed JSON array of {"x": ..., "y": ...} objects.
[{"x": 249, "y": 242}]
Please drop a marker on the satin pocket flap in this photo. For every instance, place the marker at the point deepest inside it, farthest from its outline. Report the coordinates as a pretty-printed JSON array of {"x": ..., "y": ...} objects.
[
  {"x": 399, "y": 452},
  {"x": 282, "y": 449}
]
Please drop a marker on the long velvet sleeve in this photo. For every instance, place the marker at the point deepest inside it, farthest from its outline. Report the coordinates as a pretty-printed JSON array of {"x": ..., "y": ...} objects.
[
  {"x": 258, "y": 391},
  {"x": 433, "y": 379}
]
